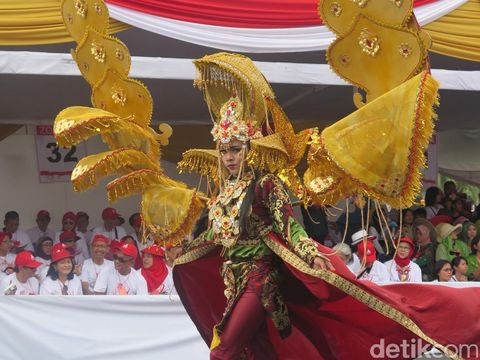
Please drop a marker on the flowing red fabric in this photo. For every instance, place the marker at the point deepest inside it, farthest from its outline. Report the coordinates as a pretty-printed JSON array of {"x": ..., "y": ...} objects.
[
  {"x": 155, "y": 274},
  {"x": 329, "y": 324},
  {"x": 243, "y": 13}
]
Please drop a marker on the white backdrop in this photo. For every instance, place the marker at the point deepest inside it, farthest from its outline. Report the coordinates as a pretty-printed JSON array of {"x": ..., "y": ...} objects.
[{"x": 97, "y": 328}]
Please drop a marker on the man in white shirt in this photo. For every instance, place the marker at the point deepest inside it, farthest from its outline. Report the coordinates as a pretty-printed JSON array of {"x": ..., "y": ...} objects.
[
  {"x": 92, "y": 267},
  {"x": 20, "y": 238},
  {"x": 41, "y": 230},
  {"x": 122, "y": 279},
  {"x": 83, "y": 220},
  {"x": 373, "y": 270},
  {"x": 109, "y": 228},
  {"x": 22, "y": 281},
  {"x": 7, "y": 259}
]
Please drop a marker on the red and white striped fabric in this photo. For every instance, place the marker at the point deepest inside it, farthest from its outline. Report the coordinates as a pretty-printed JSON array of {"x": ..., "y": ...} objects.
[{"x": 254, "y": 26}]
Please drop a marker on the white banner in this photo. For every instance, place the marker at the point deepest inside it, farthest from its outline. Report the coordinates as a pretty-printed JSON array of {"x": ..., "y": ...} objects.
[{"x": 55, "y": 164}]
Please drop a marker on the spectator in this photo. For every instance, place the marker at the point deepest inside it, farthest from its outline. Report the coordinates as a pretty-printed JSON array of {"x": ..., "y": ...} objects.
[
  {"x": 473, "y": 260},
  {"x": 69, "y": 239},
  {"x": 373, "y": 270},
  {"x": 315, "y": 222},
  {"x": 43, "y": 254},
  {"x": 459, "y": 210},
  {"x": 407, "y": 223},
  {"x": 450, "y": 190},
  {"x": 401, "y": 268},
  {"x": 7, "y": 258},
  {"x": 60, "y": 278},
  {"x": 460, "y": 269},
  {"x": 20, "y": 238},
  {"x": 135, "y": 221},
  {"x": 155, "y": 271},
  {"x": 449, "y": 246},
  {"x": 41, "y": 230},
  {"x": 92, "y": 267},
  {"x": 350, "y": 259},
  {"x": 122, "y": 279},
  {"x": 425, "y": 240},
  {"x": 130, "y": 240},
  {"x": 419, "y": 213},
  {"x": 433, "y": 201},
  {"x": 82, "y": 222},
  {"x": 469, "y": 233},
  {"x": 109, "y": 228},
  {"x": 23, "y": 280},
  {"x": 443, "y": 271},
  {"x": 69, "y": 221}
]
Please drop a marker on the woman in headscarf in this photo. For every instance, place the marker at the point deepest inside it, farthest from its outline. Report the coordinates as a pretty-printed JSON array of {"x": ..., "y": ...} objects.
[
  {"x": 401, "y": 268},
  {"x": 155, "y": 271}
]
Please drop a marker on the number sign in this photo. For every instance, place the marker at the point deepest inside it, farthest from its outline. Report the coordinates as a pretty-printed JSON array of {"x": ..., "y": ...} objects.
[{"x": 55, "y": 164}]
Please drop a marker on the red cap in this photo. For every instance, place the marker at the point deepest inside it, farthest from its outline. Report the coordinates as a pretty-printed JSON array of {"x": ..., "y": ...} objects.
[
  {"x": 367, "y": 250},
  {"x": 70, "y": 215},
  {"x": 100, "y": 238},
  {"x": 43, "y": 214},
  {"x": 110, "y": 213},
  {"x": 59, "y": 252},
  {"x": 407, "y": 240},
  {"x": 25, "y": 258},
  {"x": 154, "y": 250},
  {"x": 68, "y": 235},
  {"x": 128, "y": 250}
]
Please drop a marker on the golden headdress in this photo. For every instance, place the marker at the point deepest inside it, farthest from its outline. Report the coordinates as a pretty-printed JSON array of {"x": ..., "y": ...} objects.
[{"x": 243, "y": 106}]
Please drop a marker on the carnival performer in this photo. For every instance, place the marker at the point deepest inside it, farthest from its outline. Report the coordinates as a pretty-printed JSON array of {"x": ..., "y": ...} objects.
[{"x": 280, "y": 294}]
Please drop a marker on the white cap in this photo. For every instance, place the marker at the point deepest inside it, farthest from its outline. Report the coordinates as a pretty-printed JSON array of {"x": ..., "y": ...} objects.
[{"x": 360, "y": 235}]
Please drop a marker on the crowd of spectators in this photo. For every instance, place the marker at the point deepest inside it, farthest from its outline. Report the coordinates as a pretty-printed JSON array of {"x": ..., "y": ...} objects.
[
  {"x": 435, "y": 241},
  {"x": 76, "y": 260}
]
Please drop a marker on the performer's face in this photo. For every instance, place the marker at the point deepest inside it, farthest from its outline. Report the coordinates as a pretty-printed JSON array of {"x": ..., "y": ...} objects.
[{"x": 232, "y": 155}]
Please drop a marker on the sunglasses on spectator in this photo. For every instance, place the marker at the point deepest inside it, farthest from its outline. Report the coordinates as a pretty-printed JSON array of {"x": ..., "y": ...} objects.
[
  {"x": 69, "y": 240},
  {"x": 121, "y": 259}
]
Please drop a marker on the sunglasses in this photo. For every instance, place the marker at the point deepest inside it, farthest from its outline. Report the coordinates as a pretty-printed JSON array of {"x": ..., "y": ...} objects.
[
  {"x": 69, "y": 240},
  {"x": 121, "y": 259}
]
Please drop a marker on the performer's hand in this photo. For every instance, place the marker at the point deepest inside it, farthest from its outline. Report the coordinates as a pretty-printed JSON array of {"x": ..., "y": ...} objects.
[{"x": 322, "y": 264}]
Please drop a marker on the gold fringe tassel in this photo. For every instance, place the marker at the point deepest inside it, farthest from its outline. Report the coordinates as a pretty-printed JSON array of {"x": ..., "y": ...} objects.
[
  {"x": 173, "y": 235},
  {"x": 137, "y": 181},
  {"x": 92, "y": 168},
  {"x": 203, "y": 162}
]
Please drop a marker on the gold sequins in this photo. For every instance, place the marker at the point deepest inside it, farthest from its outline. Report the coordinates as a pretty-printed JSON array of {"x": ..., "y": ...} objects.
[
  {"x": 81, "y": 8},
  {"x": 369, "y": 42},
  {"x": 119, "y": 96},
  {"x": 98, "y": 51},
  {"x": 336, "y": 9},
  {"x": 405, "y": 50}
]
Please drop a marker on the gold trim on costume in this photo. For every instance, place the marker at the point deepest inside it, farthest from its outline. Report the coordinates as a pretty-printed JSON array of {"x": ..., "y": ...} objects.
[{"x": 357, "y": 293}]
